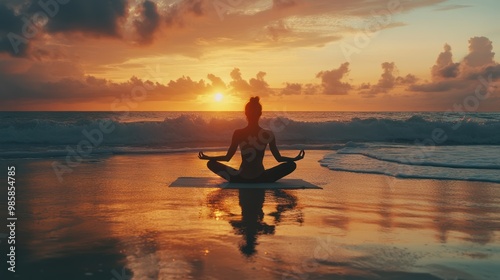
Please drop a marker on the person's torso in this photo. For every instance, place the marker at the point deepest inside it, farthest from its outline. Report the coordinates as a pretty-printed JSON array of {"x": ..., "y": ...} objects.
[{"x": 253, "y": 143}]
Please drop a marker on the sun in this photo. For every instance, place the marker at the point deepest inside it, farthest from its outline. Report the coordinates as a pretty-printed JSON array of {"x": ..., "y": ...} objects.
[{"x": 218, "y": 97}]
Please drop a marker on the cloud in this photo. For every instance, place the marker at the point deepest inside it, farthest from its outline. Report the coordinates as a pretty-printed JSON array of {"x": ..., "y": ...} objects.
[
  {"x": 480, "y": 53},
  {"x": 451, "y": 7},
  {"x": 408, "y": 79},
  {"x": 91, "y": 17},
  {"x": 388, "y": 81},
  {"x": 492, "y": 71},
  {"x": 177, "y": 13},
  {"x": 300, "y": 89},
  {"x": 449, "y": 76},
  {"x": 184, "y": 88},
  {"x": 331, "y": 80},
  {"x": 444, "y": 67},
  {"x": 277, "y": 30},
  {"x": 385, "y": 83},
  {"x": 149, "y": 22},
  {"x": 282, "y": 4},
  {"x": 217, "y": 83},
  {"x": 291, "y": 89},
  {"x": 440, "y": 86},
  {"x": 23, "y": 23},
  {"x": 10, "y": 31},
  {"x": 255, "y": 86},
  {"x": 65, "y": 82},
  {"x": 191, "y": 27},
  {"x": 259, "y": 85}
]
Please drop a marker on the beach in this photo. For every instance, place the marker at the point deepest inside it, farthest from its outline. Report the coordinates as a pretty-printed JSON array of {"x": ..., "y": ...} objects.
[
  {"x": 114, "y": 217},
  {"x": 362, "y": 137}
]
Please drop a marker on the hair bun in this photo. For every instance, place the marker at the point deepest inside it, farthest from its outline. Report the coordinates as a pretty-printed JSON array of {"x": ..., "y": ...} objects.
[{"x": 254, "y": 99}]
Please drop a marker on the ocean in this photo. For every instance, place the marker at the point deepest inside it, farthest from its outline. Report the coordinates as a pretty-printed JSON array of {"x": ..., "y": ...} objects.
[{"x": 433, "y": 145}]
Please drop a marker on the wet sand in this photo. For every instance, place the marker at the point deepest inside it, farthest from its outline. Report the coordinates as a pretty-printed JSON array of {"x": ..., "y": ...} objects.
[{"x": 115, "y": 218}]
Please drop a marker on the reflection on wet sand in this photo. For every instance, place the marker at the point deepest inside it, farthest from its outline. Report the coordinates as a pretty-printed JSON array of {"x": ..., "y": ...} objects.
[
  {"x": 251, "y": 222},
  {"x": 478, "y": 223},
  {"x": 113, "y": 224}
]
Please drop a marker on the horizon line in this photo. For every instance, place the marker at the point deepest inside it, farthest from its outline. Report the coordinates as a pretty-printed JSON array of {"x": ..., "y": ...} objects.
[{"x": 221, "y": 111}]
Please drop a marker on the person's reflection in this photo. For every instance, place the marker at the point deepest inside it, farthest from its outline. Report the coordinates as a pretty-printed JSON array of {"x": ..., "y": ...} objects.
[
  {"x": 286, "y": 202},
  {"x": 251, "y": 224}
]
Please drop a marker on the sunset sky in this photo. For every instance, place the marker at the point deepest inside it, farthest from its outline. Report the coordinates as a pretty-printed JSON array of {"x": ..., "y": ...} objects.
[{"x": 192, "y": 55}]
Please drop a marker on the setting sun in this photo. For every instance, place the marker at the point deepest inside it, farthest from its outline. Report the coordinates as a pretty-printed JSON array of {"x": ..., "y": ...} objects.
[{"x": 218, "y": 97}]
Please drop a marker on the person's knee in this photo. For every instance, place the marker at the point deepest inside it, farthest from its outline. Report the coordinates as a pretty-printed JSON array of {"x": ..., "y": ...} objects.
[
  {"x": 211, "y": 164},
  {"x": 291, "y": 165}
]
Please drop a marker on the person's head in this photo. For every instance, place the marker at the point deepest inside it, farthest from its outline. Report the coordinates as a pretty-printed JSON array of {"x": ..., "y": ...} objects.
[{"x": 253, "y": 109}]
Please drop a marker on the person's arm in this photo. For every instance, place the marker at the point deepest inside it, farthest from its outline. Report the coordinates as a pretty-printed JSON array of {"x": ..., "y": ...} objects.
[
  {"x": 278, "y": 156},
  {"x": 230, "y": 152}
]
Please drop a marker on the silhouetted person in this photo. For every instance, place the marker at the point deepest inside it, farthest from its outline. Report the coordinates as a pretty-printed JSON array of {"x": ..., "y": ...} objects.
[{"x": 252, "y": 141}]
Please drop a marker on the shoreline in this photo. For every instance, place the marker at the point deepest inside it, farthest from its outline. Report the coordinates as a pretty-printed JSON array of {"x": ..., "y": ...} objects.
[{"x": 61, "y": 157}]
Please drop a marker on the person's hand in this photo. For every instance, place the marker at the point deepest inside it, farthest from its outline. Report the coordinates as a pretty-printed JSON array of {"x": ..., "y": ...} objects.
[
  {"x": 301, "y": 155},
  {"x": 201, "y": 155}
]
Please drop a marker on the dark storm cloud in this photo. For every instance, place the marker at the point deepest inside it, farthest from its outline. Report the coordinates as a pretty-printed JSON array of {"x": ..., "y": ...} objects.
[
  {"x": 22, "y": 22},
  {"x": 237, "y": 24},
  {"x": 149, "y": 22},
  {"x": 94, "y": 17},
  {"x": 10, "y": 25}
]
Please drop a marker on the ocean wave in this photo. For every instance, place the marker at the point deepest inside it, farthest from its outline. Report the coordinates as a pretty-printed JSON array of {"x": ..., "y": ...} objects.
[
  {"x": 189, "y": 130},
  {"x": 470, "y": 157},
  {"x": 361, "y": 164}
]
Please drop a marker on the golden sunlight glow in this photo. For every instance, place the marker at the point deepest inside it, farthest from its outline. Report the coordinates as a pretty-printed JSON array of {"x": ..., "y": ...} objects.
[
  {"x": 215, "y": 102},
  {"x": 218, "y": 97}
]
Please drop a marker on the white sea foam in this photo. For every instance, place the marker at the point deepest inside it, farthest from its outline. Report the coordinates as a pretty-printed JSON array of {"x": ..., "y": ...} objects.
[{"x": 477, "y": 162}]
